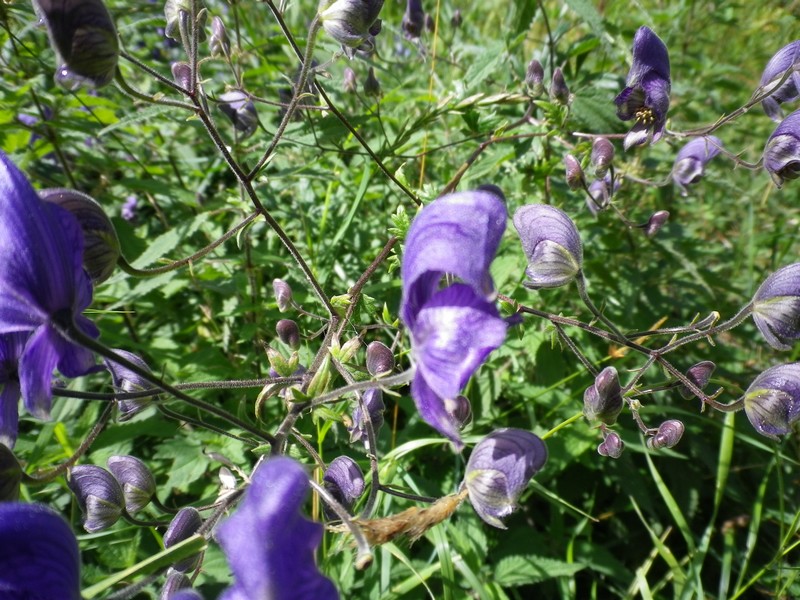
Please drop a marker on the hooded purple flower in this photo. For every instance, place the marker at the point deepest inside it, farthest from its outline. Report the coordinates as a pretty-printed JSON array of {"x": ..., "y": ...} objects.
[
  {"x": 690, "y": 162},
  {"x": 552, "y": 244},
  {"x": 646, "y": 95},
  {"x": 127, "y": 381},
  {"x": 782, "y": 152},
  {"x": 38, "y": 554},
  {"x": 345, "y": 482},
  {"x": 601, "y": 192},
  {"x": 776, "y": 307},
  {"x": 373, "y": 401},
  {"x": 453, "y": 329},
  {"x": 772, "y": 402},
  {"x": 786, "y": 58},
  {"x": 99, "y": 495},
  {"x": 499, "y": 469},
  {"x": 269, "y": 544},
  {"x": 43, "y": 286}
]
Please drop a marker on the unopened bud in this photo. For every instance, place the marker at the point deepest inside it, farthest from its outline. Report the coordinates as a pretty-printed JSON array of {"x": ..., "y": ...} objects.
[
  {"x": 372, "y": 87},
  {"x": 125, "y": 380},
  {"x": 283, "y": 367},
  {"x": 321, "y": 379},
  {"x": 349, "y": 22},
  {"x": 612, "y": 446},
  {"x": 182, "y": 74},
  {"x": 349, "y": 82},
  {"x": 345, "y": 482},
  {"x": 668, "y": 435},
  {"x": 138, "y": 484},
  {"x": 602, "y": 156},
  {"x": 183, "y": 526},
  {"x": 283, "y": 294},
  {"x": 218, "y": 42},
  {"x": 559, "y": 92},
  {"x": 602, "y": 400},
  {"x": 699, "y": 375},
  {"x": 373, "y": 402},
  {"x": 99, "y": 496},
  {"x": 534, "y": 78},
  {"x": 175, "y": 581},
  {"x": 380, "y": 359},
  {"x": 575, "y": 178},
  {"x": 289, "y": 333},
  {"x": 656, "y": 222}
]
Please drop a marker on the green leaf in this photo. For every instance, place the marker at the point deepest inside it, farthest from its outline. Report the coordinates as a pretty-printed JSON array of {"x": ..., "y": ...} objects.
[{"x": 526, "y": 570}]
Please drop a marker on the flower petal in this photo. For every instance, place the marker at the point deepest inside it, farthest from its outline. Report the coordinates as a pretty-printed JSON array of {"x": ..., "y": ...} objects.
[
  {"x": 36, "y": 366},
  {"x": 433, "y": 410}
]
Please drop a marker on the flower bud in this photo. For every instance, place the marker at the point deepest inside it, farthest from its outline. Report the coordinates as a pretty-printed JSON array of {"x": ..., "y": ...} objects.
[
  {"x": 175, "y": 581},
  {"x": 772, "y": 402},
  {"x": 372, "y": 87},
  {"x": 321, "y": 379},
  {"x": 349, "y": 21},
  {"x": 668, "y": 435},
  {"x": 10, "y": 475},
  {"x": 690, "y": 162},
  {"x": 349, "y": 82},
  {"x": 602, "y": 401},
  {"x": 283, "y": 367},
  {"x": 559, "y": 92},
  {"x": 183, "y": 526},
  {"x": 218, "y": 43},
  {"x": 551, "y": 242},
  {"x": 283, "y": 294},
  {"x": 413, "y": 19},
  {"x": 237, "y": 106},
  {"x": 182, "y": 74},
  {"x": 101, "y": 248},
  {"x": 178, "y": 16},
  {"x": 138, "y": 485},
  {"x": 83, "y": 35},
  {"x": 776, "y": 307},
  {"x": 125, "y": 381},
  {"x": 460, "y": 409},
  {"x": 349, "y": 350},
  {"x": 612, "y": 446},
  {"x": 289, "y": 333},
  {"x": 99, "y": 496},
  {"x": 699, "y": 375},
  {"x": 534, "y": 78},
  {"x": 380, "y": 359},
  {"x": 602, "y": 156},
  {"x": 656, "y": 221},
  {"x": 499, "y": 469},
  {"x": 456, "y": 19},
  {"x": 345, "y": 482},
  {"x": 575, "y": 178},
  {"x": 373, "y": 402},
  {"x": 600, "y": 195}
]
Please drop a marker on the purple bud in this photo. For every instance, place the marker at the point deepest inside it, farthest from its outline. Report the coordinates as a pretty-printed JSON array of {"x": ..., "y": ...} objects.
[
  {"x": 99, "y": 496},
  {"x": 575, "y": 178},
  {"x": 175, "y": 582},
  {"x": 782, "y": 152},
  {"x": 345, "y": 482},
  {"x": 373, "y": 402},
  {"x": 776, "y": 307},
  {"x": 10, "y": 475},
  {"x": 551, "y": 242},
  {"x": 138, "y": 485},
  {"x": 602, "y": 156},
  {"x": 380, "y": 359},
  {"x": 218, "y": 43},
  {"x": 534, "y": 78},
  {"x": 599, "y": 195},
  {"x": 667, "y": 435},
  {"x": 182, "y": 74},
  {"x": 691, "y": 160},
  {"x": 456, "y": 20},
  {"x": 772, "y": 402},
  {"x": 786, "y": 58},
  {"x": 372, "y": 87},
  {"x": 559, "y": 92},
  {"x": 101, "y": 248},
  {"x": 460, "y": 409},
  {"x": 612, "y": 446},
  {"x": 499, "y": 469},
  {"x": 413, "y": 19},
  {"x": 349, "y": 82},
  {"x": 289, "y": 333},
  {"x": 602, "y": 401},
  {"x": 237, "y": 106},
  {"x": 283, "y": 294},
  {"x": 699, "y": 375},
  {"x": 656, "y": 221},
  {"x": 125, "y": 381},
  {"x": 183, "y": 526}
]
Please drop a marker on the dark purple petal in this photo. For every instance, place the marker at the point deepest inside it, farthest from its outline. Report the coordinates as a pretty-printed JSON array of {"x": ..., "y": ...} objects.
[
  {"x": 184, "y": 525},
  {"x": 12, "y": 345},
  {"x": 782, "y": 152},
  {"x": 270, "y": 545},
  {"x": 138, "y": 484},
  {"x": 434, "y": 410},
  {"x": 344, "y": 480},
  {"x": 612, "y": 446},
  {"x": 552, "y": 244},
  {"x": 772, "y": 402},
  {"x": 699, "y": 374},
  {"x": 691, "y": 160},
  {"x": 240, "y": 109},
  {"x": 785, "y": 58},
  {"x": 457, "y": 234},
  {"x": 776, "y": 307},
  {"x": 649, "y": 55},
  {"x": 99, "y": 496},
  {"x": 499, "y": 469},
  {"x": 38, "y": 554},
  {"x": 36, "y": 367},
  {"x": 380, "y": 359},
  {"x": 373, "y": 402}
]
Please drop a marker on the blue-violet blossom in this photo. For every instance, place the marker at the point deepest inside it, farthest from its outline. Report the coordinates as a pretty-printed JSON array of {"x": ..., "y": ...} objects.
[
  {"x": 776, "y": 307},
  {"x": 772, "y": 402},
  {"x": 453, "y": 329},
  {"x": 646, "y": 95},
  {"x": 782, "y": 152},
  {"x": 786, "y": 58},
  {"x": 269, "y": 543},
  {"x": 552, "y": 244},
  {"x": 690, "y": 162},
  {"x": 11, "y": 347}
]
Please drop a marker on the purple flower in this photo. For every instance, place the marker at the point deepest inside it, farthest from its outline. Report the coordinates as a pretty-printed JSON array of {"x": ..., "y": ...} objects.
[
  {"x": 38, "y": 554},
  {"x": 668, "y": 434},
  {"x": 699, "y": 374},
  {"x": 612, "y": 446},
  {"x": 43, "y": 287},
  {"x": 786, "y": 58},
  {"x": 136, "y": 480},
  {"x": 128, "y": 211},
  {"x": 690, "y": 162},
  {"x": 499, "y": 469},
  {"x": 373, "y": 401},
  {"x": 782, "y": 152},
  {"x": 551, "y": 242},
  {"x": 11, "y": 347},
  {"x": 380, "y": 359},
  {"x": 99, "y": 496},
  {"x": 413, "y": 19},
  {"x": 776, "y": 307},
  {"x": 127, "y": 381},
  {"x": 453, "y": 329},
  {"x": 602, "y": 401},
  {"x": 350, "y": 22},
  {"x": 601, "y": 192},
  {"x": 345, "y": 482},
  {"x": 240, "y": 109},
  {"x": 772, "y": 402},
  {"x": 269, "y": 543},
  {"x": 186, "y": 522},
  {"x": 646, "y": 95}
]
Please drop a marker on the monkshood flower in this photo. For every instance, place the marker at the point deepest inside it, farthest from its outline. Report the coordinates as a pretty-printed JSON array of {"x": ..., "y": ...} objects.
[
  {"x": 219, "y": 43},
  {"x": 787, "y": 57},
  {"x": 83, "y": 35},
  {"x": 99, "y": 496},
  {"x": 691, "y": 160},
  {"x": 646, "y": 95},
  {"x": 12, "y": 346},
  {"x": 601, "y": 192},
  {"x": 551, "y": 242},
  {"x": 39, "y": 556},
  {"x": 238, "y": 107},
  {"x": 183, "y": 526},
  {"x": 612, "y": 446},
  {"x": 373, "y": 401},
  {"x": 125, "y": 381},
  {"x": 656, "y": 221},
  {"x": 413, "y": 19},
  {"x": 602, "y": 156},
  {"x": 574, "y": 172},
  {"x": 699, "y": 374},
  {"x": 288, "y": 332},
  {"x": 453, "y": 329},
  {"x": 782, "y": 152},
  {"x": 138, "y": 484},
  {"x": 349, "y": 21},
  {"x": 283, "y": 294},
  {"x": 345, "y": 482},
  {"x": 602, "y": 401},
  {"x": 43, "y": 287},
  {"x": 772, "y": 402},
  {"x": 499, "y": 469},
  {"x": 380, "y": 359},
  {"x": 776, "y": 307},
  {"x": 269, "y": 543},
  {"x": 668, "y": 434}
]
